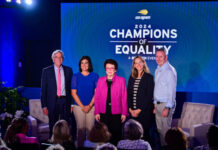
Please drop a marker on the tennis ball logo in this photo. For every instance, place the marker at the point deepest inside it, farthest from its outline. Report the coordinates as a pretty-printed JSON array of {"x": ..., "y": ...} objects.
[{"x": 143, "y": 12}]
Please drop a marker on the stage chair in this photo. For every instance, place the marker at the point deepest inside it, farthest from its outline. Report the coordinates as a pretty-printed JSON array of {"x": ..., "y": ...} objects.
[
  {"x": 38, "y": 122},
  {"x": 196, "y": 118}
]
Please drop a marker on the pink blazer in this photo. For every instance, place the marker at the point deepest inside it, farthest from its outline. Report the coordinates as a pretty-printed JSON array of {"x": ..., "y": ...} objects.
[{"x": 118, "y": 96}]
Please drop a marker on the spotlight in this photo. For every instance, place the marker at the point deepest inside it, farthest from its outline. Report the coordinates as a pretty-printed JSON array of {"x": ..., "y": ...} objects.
[
  {"x": 8, "y": 1},
  {"x": 18, "y": 1},
  {"x": 28, "y": 2}
]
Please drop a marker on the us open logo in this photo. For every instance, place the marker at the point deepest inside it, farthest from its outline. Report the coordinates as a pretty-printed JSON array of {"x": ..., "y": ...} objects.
[{"x": 143, "y": 15}]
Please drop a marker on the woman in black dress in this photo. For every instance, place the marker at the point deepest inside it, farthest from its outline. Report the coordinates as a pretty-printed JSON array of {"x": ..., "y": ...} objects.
[{"x": 140, "y": 95}]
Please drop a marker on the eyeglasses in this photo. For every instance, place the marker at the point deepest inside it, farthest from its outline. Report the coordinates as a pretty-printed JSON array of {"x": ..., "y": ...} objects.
[{"x": 110, "y": 68}]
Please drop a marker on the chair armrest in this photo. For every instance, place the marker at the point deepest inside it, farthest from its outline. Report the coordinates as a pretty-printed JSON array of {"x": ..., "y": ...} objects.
[
  {"x": 175, "y": 122},
  {"x": 33, "y": 129},
  {"x": 199, "y": 131}
]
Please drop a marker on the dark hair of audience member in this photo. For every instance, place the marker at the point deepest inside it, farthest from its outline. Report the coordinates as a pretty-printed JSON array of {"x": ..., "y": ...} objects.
[
  {"x": 212, "y": 136},
  {"x": 18, "y": 125},
  {"x": 61, "y": 132},
  {"x": 99, "y": 133},
  {"x": 112, "y": 62},
  {"x": 175, "y": 139},
  {"x": 133, "y": 130}
]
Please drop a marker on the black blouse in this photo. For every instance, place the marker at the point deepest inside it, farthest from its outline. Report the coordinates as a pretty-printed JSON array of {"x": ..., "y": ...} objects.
[{"x": 144, "y": 95}]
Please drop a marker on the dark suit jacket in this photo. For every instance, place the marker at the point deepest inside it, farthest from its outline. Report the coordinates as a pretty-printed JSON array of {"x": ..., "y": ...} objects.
[
  {"x": 144, "y": 98},
  {"x": 49, "y": 87}
]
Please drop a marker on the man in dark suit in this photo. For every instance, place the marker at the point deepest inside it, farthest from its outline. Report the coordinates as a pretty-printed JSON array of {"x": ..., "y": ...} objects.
[{"x": 56, "y": 90}]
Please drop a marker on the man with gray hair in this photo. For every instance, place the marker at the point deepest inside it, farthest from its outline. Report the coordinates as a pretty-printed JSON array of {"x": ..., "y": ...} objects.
[
  {"x": 56, "y": 90},
  {"x": 164, "y": 93}
]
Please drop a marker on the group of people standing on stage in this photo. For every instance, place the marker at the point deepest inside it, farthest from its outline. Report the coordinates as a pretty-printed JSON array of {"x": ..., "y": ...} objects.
[{"x": 107, "y": 99}]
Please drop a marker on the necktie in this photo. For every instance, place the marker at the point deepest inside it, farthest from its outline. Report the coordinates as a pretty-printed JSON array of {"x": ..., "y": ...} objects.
[{"x": 59, "y": 83}]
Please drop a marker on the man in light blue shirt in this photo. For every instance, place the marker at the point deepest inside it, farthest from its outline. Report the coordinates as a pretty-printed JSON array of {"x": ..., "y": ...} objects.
[{"x": 164, "y": 93}]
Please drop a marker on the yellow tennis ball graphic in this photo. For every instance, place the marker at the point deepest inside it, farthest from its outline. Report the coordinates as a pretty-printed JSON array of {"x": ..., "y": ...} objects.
[{"x": 143, "y": 12}]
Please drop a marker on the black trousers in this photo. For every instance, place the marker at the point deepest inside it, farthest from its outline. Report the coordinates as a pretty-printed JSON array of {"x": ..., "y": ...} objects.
[
  {"x": 146, "y": 122},
  {"x": 114, "y": 125},
  {"x": 60, "y": 112}
]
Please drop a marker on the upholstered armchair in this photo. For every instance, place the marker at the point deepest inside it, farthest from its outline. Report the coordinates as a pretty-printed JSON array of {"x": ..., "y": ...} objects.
[
  {"x": 38, "y": 122},
  {"x": 196, "y": 118}
]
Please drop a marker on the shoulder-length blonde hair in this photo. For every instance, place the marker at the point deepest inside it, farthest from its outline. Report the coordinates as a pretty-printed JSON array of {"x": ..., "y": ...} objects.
[
  {"x": 61, "y": 132},
  {"x": 134, "y": 72}
]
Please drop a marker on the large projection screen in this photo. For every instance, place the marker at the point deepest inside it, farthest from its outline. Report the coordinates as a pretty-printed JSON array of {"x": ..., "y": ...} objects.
[{"x": 121, "y": 31}]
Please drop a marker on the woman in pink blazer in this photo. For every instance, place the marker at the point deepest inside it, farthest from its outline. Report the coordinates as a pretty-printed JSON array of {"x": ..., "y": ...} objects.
[{"x": 111, "y": 100}]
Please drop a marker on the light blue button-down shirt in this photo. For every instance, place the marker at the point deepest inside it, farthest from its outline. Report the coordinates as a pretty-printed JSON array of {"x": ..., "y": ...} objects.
[
  {"x": 63, "y": 91},
  {"x": 165, "y": 85}
]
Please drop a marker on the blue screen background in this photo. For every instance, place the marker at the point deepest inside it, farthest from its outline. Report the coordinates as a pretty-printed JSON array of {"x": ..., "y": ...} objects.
[{"x": 85, "y": 30}]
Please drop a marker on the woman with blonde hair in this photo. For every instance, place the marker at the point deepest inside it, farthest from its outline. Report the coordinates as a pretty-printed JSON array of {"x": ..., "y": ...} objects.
[
  {"x": 140, "y": 94},
  {"x": 61, "y": 135}
]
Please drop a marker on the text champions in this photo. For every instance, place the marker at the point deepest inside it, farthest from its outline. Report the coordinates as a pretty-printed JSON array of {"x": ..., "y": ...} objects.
[{"x": 143, "y": 40}]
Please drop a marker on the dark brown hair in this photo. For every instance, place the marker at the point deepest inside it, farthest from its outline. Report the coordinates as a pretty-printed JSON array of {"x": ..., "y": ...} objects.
[
  {"x": 18, "y": 125},
  {"x": 99, "y": 133},
  {"x": 90, "y": 68},
  {"x": 212, "y": 136},
  {"x": 112, "y": 62},
  {"x": 175, "y": 139}
]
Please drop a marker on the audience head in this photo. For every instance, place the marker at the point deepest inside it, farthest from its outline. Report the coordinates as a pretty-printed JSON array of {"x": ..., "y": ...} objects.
[
  {"x": 85, "y": 60},
  {"x": 61, "y": 132},
  {"x": 18, "y": 125},
  {"x": 99, "y": 133},
  {"x": 133, "y": 130},
  {"x": 139, "y": 63},
  {"x": 212, "y": 136},
  {"x": 175, "y": 139},
  {"x": 106, "y": 146}
]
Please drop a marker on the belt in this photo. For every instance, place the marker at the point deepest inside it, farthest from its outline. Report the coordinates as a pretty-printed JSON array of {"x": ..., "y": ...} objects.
[
  {"x": 60, "y": 97},
  {"x": 159, "y": 102}
]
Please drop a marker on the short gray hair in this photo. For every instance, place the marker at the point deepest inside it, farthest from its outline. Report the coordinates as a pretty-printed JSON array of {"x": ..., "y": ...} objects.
[
  {"x": 57, "y": 51},
  {"x": 133, "y": 130}
]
